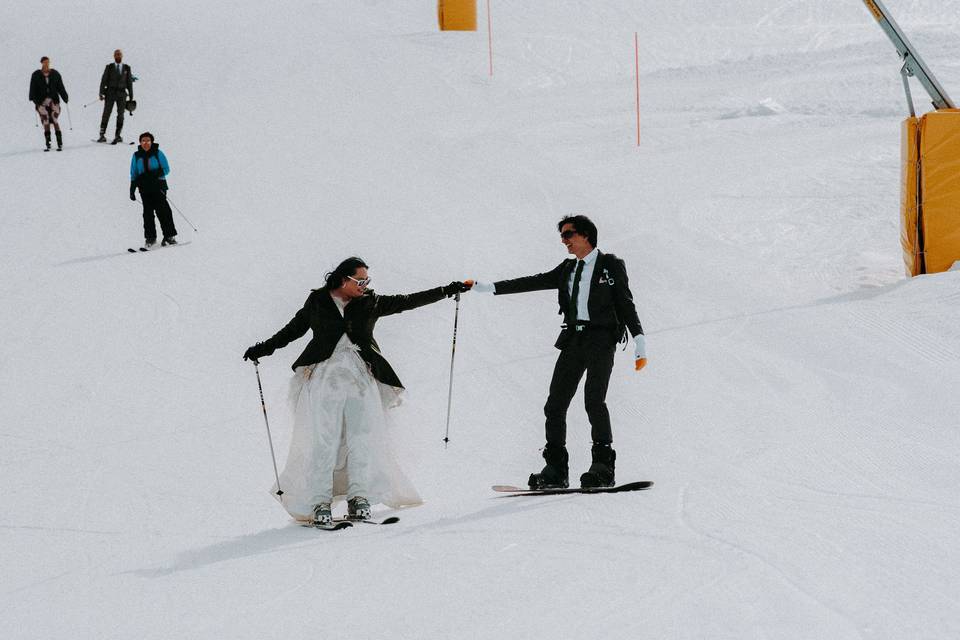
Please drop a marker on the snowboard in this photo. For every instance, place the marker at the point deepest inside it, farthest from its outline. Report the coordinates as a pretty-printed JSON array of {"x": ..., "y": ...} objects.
[{"x": 512, "y": 491}]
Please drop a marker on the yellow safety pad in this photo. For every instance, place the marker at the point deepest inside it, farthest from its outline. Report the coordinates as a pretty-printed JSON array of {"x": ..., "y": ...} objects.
[
  {"x": 940, "y": 188},
  {"x": 909, "y": 154},
  {"x": 457, "y": 15}
]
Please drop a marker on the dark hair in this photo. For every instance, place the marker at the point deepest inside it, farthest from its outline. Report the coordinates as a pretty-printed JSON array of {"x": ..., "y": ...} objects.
[
  {"x": 146, "y": 134},
  {"x": 43, "y": 59},
  {"x": 334, "y": 279},
  {"x": 583, "y": 225}
]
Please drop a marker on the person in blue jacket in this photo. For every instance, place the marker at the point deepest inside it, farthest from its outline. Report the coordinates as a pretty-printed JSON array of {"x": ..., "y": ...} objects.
[{"x": 148, "y": 171}]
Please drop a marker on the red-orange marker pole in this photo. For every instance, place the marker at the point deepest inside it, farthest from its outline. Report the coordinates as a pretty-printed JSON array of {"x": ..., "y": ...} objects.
[
  {"x": 636, "y": 60},
  {"x": 490, "y": 38}
]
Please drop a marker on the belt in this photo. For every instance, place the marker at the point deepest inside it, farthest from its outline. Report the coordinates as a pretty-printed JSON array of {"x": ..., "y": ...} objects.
[{"x": 581, "y": 325}]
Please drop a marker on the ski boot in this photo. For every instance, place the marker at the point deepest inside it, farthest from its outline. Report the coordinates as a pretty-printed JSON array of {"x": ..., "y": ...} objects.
[
  {"x": 358, "y": 508},
  {"x": 322, "y": 516},
  {"x": 149, "y": 243},
  {"x": 59, "y": 141},
  {"x": 103, "y": 136},
  {"x": 117, "y": 139},
  {"x": 166, "y": 241},
  {"x": 601, "y": 472},
  {"x": 46, "y": 137},
  {"x": 555, "y": 474}
]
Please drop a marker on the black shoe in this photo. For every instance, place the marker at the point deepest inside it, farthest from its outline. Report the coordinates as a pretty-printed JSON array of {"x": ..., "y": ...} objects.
[
  {"x": 166, "y": 241},
  {"x": 602, "y": 471},
  {"x": 102, "y": 137},
  {"x": 555, "y": 475},
  {"x": 117, "y": 140},
  {"x": 59, "y": 141},
  {"x": 46, "y": 137}
]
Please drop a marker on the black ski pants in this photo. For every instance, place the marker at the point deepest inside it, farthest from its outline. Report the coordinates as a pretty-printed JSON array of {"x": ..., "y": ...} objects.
[
  {"x": 113, "y": 97},
  {"x": 588, "y": 351},
  {"x": 156, "y": 204}
]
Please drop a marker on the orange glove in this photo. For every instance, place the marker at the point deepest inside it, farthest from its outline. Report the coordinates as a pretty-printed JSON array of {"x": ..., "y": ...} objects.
[{"x": 641, "y": 363}]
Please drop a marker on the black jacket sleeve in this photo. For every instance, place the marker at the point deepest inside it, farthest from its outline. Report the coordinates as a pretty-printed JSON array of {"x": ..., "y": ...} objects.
[
  {"x": 293, "y": 330},
  {"x": 540, "y": 282},
  {"x": 103, "y": 80},
  {"x": 622, "y": 298},
  {"x": 129, "y": 80},
  {"x": 389, "y": 305}
]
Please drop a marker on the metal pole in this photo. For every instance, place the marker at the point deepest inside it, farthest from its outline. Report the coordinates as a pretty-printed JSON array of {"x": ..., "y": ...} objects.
[
  {"x": 69, "y": 119},
  {"x": 256, "y": 367},
  {"x": 453, "y": 353},
  {"x": 181, "y": 215}
]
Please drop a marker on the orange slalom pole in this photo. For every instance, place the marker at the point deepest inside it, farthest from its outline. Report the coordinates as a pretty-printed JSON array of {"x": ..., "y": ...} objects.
[
  {"x": 490, "y": 38},
  {"x": 636, "y": 60}
]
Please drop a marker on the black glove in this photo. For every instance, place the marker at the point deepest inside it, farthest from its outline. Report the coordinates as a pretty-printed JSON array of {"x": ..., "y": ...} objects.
[
  {"x": 255, "y": 352},
  {"x": 133, "y": 190},
  {"x": 454, "y": 288}
]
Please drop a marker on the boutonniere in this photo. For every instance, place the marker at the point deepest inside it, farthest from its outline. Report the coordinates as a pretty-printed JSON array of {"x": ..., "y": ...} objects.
[{"x": 606, "y": 278}]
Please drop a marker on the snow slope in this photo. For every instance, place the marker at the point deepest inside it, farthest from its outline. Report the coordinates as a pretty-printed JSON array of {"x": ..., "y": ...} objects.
[{"x": 797, "y": 414}]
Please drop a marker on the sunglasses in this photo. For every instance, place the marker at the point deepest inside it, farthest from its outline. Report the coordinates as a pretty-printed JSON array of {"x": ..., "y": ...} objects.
[
  {"x": 569, "y": 233},
  {"x": 360, "y": 283}
]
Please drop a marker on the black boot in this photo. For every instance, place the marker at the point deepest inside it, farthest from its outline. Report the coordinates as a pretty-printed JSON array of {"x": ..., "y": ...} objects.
[
  {"x": 103, "y": 136},
  {"x": 59, "y": 141},
  {"x": 601, "y": 472},
  {"x": 46, "y": 136},
  {"x": 555, "y": 474}
]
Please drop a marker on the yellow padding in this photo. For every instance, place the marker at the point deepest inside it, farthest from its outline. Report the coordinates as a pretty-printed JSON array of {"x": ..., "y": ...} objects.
[
  {"x": 908, "y": 196},
  {"x": 457, "y": 15},
  {"x": 940, "y": 188}
]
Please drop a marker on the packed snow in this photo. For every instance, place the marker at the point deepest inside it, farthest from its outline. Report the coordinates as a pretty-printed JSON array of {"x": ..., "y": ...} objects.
[{"x": 798, "y": 412}]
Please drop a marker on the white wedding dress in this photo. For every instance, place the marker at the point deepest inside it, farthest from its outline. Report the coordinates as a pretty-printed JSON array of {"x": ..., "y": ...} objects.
[{"x": 340, "y": 447}]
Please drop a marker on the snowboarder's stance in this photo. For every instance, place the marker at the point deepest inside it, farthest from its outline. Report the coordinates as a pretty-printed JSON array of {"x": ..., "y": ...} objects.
[
  {"x": 148, "y": 171},
  {"x": 115, "y": 83},
  {"x": 340, "y": 394},
  {"x": 598, "y": 309},
  {"x": 46, "y": 90}
]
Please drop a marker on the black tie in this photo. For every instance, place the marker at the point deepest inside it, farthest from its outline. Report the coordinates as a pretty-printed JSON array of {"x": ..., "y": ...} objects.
[{"x": 575, "y": 294}]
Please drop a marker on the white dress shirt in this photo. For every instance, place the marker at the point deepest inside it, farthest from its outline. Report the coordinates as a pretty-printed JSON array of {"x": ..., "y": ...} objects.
[{"x": 583, "y": 295}]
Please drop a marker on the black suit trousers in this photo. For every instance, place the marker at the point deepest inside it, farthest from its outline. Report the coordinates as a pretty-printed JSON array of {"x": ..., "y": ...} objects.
[
  {"x": 113, "y": 97},
  {"x": 589, "y": 351}
]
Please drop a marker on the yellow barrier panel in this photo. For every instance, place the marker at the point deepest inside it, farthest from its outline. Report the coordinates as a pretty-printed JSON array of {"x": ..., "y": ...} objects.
[
  {"x": 909, "y": 152},
  {"x": 940, "y": 189},
  {"x": 457, "y": 15}
]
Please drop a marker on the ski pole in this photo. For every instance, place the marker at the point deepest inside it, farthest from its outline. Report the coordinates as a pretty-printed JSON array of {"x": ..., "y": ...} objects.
[
  {"x": 38, "y": 118},
  {"x": 182, "y": 216},
  {"x": 90, "y": 103},
  {"x": 256, "y": 367},
  {"x": 69, "y": 119},
  {"x": 453, "y": 353}
]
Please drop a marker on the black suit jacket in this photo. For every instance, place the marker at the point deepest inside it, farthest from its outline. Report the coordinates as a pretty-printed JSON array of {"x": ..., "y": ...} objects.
[
  {"x": 610, "y": 302},
  {"x": 116, "y": 81},
  {"x": 40, "y": 90},
  {"x": 320, "y": 314}
]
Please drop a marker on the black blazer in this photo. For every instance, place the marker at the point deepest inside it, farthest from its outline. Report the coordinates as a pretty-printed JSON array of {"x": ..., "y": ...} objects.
[
  {"x": 40, "y": 90},
  {"x": 116, "y": 81},
  {"x": 320, "y": 314},
  {"x": 610, "y": 302}
]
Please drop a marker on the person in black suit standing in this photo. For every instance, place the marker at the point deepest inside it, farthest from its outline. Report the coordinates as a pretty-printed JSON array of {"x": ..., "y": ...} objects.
[
  {"x": 115, "y": 85},
  {"x": 46, "y": 90},
  {"x": 341, "y": 390},
  {"x": 598, "y": 309}
]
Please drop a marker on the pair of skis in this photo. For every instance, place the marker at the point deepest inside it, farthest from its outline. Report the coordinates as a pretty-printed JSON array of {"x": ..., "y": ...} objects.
[
  {"x": 158, "y": 246},
  {"x": 342, "y": 523}
]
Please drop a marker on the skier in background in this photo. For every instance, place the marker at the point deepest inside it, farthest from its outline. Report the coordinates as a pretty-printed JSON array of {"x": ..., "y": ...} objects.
[
  {"x": 115, "y": 85},
  {"x": 598, "y": 308},
  {"x": 340, "y": 394},
  {"x": 148, "y": 172},
  {"x": 46, "y": 90}
]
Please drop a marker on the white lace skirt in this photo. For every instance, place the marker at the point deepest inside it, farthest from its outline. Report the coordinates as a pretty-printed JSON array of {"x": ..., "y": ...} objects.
[{"x": 340, "y": 446}]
